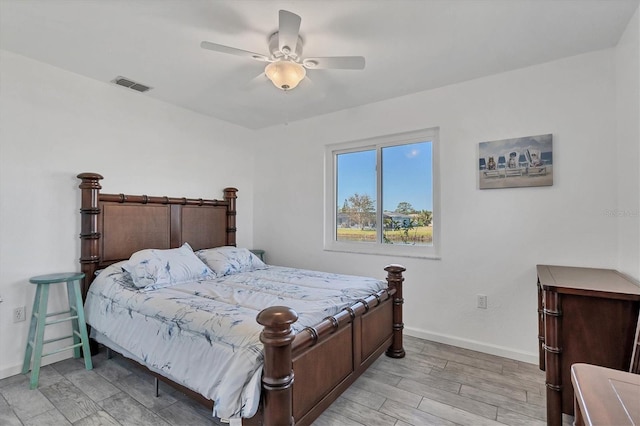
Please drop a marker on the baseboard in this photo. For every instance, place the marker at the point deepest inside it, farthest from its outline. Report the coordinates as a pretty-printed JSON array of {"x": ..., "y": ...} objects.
[
  {"x": 17, "y": 369},
  {"x": 531, "y": 358}
]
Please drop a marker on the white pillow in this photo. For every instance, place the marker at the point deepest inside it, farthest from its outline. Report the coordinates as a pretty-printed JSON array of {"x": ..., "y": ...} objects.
[
  {"x": 229, "y": 260},
  {"x": 153, "y": 268}
]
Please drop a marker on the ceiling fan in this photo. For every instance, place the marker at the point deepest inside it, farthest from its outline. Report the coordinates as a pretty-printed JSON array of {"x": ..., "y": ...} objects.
[{"x": 286, "y": 67}]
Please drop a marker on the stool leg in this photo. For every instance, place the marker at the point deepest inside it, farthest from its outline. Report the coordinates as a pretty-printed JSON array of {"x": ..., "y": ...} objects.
[
  {"x": 73, "y": 308},
  {"x": 83, "y": 327},
  {"x": 42, "y": 319},
  {"x": 26, "y": 365}
]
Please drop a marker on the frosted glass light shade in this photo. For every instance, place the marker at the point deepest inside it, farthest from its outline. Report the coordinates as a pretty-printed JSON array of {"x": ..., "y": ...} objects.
[{"x": 285, "y": 74}]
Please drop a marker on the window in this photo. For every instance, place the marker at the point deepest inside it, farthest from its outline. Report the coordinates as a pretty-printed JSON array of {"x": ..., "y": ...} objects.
[{"x": 382, "y": 195}]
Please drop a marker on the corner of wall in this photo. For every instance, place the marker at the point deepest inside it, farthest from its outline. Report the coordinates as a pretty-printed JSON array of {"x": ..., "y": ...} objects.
[{"x": 627, "y": 210}]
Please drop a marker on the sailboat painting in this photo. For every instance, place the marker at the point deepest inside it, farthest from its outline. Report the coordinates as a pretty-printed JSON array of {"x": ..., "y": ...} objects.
[{"x": 515, "y": 163}]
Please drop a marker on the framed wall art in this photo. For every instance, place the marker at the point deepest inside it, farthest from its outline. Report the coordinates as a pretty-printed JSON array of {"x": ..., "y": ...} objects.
[{"x": 515, "y": 163}]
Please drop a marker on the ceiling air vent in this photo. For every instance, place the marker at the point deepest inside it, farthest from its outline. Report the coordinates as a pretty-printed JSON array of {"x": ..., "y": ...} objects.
[{"x": 123, "y": 81}]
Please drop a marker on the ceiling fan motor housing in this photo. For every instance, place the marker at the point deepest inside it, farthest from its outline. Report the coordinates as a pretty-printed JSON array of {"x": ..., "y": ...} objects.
[{"x": 276, "y": 53}]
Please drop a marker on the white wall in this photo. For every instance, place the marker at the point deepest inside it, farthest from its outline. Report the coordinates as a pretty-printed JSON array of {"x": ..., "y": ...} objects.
[
  {"x": 627, "y": 210},
  {"x": 54, "y": 125},
  {"x": 492, "y": 239}
]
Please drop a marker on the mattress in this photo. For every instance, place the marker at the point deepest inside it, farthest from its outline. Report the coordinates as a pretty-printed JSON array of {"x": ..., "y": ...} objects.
[{"x": 204, "y": 334}]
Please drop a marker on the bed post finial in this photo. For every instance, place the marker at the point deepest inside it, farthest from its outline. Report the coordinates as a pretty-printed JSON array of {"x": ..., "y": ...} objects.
[
  {"x": 395, "y": 279},
  {"x": 277, "y": 376},
  {"x": 230, "y": 196},
  {"x": 89, "y": 235}
]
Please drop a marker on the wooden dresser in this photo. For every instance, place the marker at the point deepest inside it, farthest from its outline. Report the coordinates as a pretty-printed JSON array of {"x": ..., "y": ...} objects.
[{"x": 585, "y": 315}]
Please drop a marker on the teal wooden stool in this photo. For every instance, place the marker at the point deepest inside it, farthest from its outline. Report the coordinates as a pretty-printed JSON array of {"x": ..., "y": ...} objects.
[{"x": 39, "y": 316}]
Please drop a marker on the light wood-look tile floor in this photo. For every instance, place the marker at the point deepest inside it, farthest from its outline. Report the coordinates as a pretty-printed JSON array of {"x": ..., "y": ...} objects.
[{"x": 435, "y": 384}]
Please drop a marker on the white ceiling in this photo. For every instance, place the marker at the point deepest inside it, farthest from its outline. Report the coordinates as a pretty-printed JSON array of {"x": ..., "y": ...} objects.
[{"x": 409, "y": 46}]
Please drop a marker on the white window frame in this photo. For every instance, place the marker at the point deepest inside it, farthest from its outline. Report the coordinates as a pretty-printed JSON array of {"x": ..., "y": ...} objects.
[{"x": 377, "y": 143}]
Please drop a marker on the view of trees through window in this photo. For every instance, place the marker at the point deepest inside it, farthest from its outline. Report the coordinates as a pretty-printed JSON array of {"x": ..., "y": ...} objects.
[{"x": 403, "y": 204}]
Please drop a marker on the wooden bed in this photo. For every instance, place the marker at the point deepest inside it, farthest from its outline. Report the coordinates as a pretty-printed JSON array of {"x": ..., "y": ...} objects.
[{"x": 325, "y": 360}]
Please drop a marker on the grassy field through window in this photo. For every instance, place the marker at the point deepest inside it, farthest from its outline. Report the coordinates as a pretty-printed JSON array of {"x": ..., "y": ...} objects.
[{"x": 420, "y": 235}]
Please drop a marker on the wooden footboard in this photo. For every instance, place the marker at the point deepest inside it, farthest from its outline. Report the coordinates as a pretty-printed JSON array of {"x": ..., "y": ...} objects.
[{"x": 304, "y": 373}]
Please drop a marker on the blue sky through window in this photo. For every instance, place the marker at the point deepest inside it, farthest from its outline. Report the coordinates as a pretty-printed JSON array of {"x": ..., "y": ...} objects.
[{"x": 406, "y": 175}]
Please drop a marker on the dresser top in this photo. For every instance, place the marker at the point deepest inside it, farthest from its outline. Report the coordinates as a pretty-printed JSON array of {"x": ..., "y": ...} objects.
[{"x": 569, "y": 279}]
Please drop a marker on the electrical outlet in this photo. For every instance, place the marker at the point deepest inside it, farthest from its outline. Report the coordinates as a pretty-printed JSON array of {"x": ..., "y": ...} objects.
[
  {"x": 20, "y": 314},
  {"x": 482, "y": 301}
]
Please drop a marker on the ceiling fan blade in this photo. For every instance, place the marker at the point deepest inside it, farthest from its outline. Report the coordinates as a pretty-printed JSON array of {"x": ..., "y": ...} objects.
[
  {"x": 256, "y": 82},
  {"x": 335, "y": 62},
  {"x": 288, "y": 31},
  {"x": 233, "y": 51}
]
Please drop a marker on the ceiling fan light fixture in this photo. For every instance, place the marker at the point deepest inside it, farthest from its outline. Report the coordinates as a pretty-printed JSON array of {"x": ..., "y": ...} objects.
[{"x": 285, "y": 74}]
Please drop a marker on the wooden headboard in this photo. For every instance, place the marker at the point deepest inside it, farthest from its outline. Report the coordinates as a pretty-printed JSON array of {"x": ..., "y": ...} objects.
[{"x": 114, "y": 226}]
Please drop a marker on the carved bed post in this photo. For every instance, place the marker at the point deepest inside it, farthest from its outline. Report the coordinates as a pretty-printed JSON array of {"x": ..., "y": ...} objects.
[
  {"x": 230, "y": 196},
  {"x": 89, "y": 235},
  {"x": 395, "y": 279},
  {"x": 277, "y": 376}
]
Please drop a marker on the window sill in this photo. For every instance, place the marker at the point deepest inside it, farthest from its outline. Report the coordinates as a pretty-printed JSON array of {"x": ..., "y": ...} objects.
[{"x": 387, "y": 250}]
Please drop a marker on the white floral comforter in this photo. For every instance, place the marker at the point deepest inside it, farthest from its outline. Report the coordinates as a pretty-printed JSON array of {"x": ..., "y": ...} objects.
[{"x": 204, "y": 335}]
